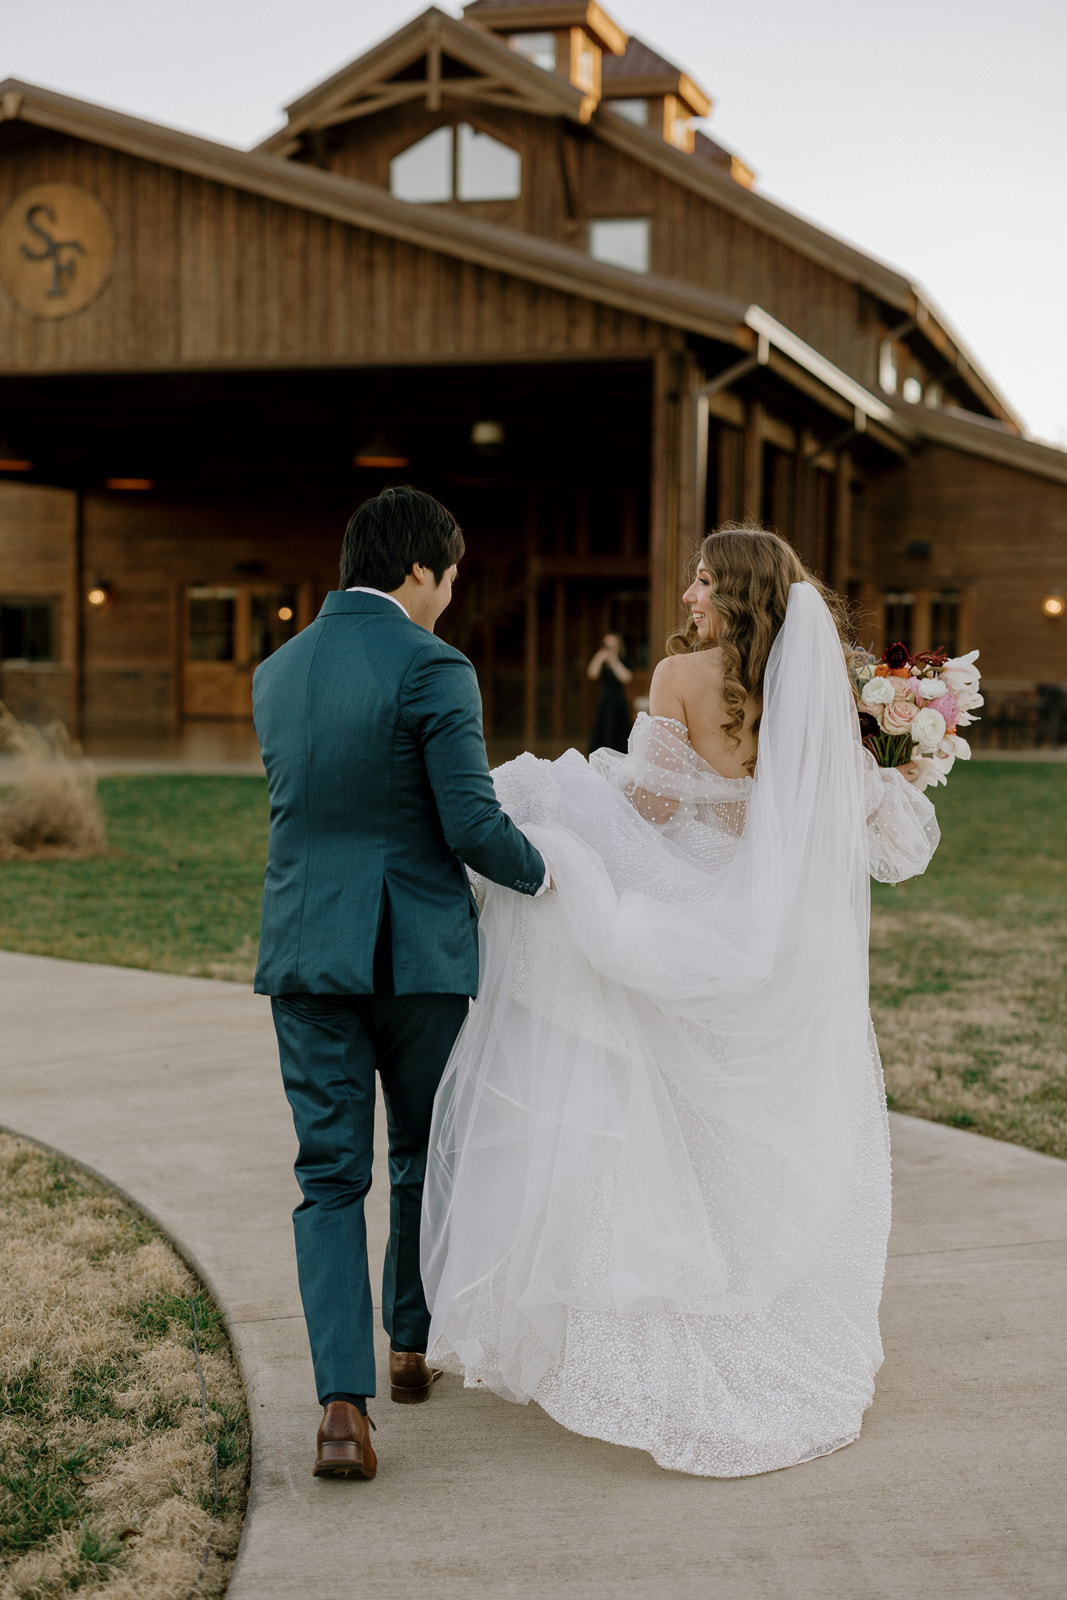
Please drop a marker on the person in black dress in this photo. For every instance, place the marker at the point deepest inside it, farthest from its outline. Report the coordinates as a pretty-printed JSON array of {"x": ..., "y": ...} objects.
[{"x": 613, "y": 721}]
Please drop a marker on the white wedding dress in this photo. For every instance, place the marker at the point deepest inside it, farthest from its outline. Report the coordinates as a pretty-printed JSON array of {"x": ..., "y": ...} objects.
[{"x": 658, "y": 1193}]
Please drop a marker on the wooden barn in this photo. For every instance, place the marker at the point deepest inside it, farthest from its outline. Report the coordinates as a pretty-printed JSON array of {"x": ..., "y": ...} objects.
[{"x": 498, "y": 258}]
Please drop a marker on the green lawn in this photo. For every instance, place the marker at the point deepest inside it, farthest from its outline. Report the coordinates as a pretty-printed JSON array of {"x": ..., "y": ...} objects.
[
  {"x": 180, "y": 891},
  {"x": 968, "y": 980},
  {"x": 968, "y": 983}
]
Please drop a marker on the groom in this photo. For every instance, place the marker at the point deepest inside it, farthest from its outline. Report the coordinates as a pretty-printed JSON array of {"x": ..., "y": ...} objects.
[{"x": 380, "y": 791}]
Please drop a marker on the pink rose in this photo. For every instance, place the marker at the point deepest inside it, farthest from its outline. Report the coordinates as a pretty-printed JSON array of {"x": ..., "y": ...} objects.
[
  {"x": 904, "y": 688},
  {"x": 948, "y": 707},
  {"x": 898, "y": 717}
]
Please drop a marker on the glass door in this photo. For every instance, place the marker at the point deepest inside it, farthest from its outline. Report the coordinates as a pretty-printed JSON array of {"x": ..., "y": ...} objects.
[{"x": 228, "y": 632}]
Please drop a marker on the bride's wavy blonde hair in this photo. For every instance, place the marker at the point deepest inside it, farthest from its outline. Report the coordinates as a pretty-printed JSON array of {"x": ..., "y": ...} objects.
[{"x": 751, "y": 570}]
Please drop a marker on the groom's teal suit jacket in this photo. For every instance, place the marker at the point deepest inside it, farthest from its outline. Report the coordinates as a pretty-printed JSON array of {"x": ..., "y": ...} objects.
[{"x": 371, "y": 733}]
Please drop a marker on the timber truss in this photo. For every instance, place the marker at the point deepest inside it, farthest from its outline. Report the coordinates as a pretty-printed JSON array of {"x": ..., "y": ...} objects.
[{"x": 436, "y": 59}]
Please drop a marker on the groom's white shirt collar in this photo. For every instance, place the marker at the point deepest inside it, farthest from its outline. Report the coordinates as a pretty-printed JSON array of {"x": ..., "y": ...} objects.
[{"x": 358, "y": 588}]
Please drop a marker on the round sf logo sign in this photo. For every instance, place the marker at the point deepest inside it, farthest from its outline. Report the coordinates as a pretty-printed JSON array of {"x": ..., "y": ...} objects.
[{"x": 56, "y": 249}]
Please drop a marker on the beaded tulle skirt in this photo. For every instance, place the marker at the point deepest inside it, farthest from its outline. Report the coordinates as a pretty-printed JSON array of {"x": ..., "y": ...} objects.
[{"x": 658, "y": 1194}]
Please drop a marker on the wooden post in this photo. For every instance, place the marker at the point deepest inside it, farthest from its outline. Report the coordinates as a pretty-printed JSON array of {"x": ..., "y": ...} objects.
[
  {"x": 672, "y": 483},
  {"x": 752, "y": 497},
  {"x": 841, "y": 552},
  {"x": 804, "y": 535},
  {"x": 488, "y": 678},
  {"x": 730, "y": 439},
  {"x": 532, "y": 646},
  {"x": 921, "y": 621},
  {"x": 77, "y": 631},
  {"x": 559, "y": 655},
  {"x": 658, "y": 503}
]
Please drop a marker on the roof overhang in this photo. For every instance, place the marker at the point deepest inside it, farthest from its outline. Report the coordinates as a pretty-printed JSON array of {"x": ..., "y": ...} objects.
[{"x": 836, "y": 254}]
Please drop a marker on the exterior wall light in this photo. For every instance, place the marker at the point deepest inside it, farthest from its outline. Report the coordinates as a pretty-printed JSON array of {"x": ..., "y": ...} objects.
[
  {"x": 99, "y": 594},
  {"x": 285, "y": 613},
  {"x": 488, "y": 437},
  {"x": 1054, "y": 605}
]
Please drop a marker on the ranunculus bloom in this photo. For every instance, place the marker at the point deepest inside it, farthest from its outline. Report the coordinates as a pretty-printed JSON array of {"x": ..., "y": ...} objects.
[
  {"x": 898, "y": 717},
  {"x": 928, "y": 728},
  {"x": 948, "y": 708},
  {"x": 881, "y": 670},
  {"x": 930, "y": 688},
  {"x": 896, "y": 656},
  {"x": 879, "y": 692}
]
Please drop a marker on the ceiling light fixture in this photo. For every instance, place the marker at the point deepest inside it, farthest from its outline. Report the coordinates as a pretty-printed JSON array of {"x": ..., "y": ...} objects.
[
  {"x": 1054, "y": 605},
  {"x": 380, "y": 454}
]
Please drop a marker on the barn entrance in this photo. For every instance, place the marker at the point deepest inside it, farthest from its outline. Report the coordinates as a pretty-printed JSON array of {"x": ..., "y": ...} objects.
[{"x": 209, "y": 511}]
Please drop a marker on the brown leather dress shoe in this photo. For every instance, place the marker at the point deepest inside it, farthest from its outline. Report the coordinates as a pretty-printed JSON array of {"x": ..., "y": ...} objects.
[
  {"x": 410, "y": 1379},
  {"x": 344, "y": 1447}
]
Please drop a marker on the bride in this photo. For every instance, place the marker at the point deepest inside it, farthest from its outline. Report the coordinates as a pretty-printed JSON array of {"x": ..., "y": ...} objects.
[{"x": 658, "y": 1194}]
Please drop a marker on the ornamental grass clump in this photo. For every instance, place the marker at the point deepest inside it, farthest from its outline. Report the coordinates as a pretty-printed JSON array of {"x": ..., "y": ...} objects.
[{"x": 50, "y": 809}]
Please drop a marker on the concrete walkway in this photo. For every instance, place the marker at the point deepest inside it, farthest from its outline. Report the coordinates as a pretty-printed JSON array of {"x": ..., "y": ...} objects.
[{"x": 168, "y": 1087}]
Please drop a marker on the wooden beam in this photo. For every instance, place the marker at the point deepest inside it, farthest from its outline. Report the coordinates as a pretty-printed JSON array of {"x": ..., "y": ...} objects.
[{"x": 433, "y": 78}]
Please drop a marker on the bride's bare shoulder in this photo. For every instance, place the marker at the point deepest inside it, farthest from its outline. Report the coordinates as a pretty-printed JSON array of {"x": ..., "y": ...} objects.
[{"x": 679, "y": 680}]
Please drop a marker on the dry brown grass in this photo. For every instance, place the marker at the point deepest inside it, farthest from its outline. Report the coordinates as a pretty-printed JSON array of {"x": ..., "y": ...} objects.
[
  {"x": 971, "y": 1017},
  {"x": 106, "y": 1480},
  {"x": 52, "y": 809}
]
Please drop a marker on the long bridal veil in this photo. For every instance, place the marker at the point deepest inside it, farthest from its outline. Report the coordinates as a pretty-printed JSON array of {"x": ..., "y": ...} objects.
[{"x": 658, "y": 1193}]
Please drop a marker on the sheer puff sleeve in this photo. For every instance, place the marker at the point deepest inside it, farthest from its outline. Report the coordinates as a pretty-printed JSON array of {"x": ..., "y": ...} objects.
[{"x": 902, "y": 830}]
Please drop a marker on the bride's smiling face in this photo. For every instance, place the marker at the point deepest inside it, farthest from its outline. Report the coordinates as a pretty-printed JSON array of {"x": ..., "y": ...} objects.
[{"x": 698, "y": 598}]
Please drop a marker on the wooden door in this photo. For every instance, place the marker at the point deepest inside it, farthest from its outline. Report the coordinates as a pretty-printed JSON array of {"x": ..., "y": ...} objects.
[{"x": 229, "y": 630}]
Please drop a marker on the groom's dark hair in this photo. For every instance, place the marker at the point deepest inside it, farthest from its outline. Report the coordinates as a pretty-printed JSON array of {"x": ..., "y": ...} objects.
[{"x": 396, "y": 530}]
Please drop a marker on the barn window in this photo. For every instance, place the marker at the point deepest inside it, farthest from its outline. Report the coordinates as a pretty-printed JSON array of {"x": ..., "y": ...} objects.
[
  {"x": 456, "y": 164},
  {"x": 632, "y": 110},
  {"x": 621, "y": 242},
  {"x": 540, "y": 48},
  {"x": 899, "y": 618},
  {"x": 945, "y": 621},
  {"x": 27, "y": 630},
  {"x": 424, "y": 171}
]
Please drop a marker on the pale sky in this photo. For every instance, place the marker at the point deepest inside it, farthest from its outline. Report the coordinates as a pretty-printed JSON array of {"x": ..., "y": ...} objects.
[{"x": 931, "y": 133}]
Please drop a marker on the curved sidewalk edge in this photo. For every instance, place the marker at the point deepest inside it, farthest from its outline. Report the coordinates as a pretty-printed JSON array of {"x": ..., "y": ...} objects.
[{"x": 168, "y": 1088}]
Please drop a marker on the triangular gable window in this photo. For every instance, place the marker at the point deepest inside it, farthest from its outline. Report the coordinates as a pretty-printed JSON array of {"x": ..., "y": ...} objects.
[{"x": 456, "y": 164}]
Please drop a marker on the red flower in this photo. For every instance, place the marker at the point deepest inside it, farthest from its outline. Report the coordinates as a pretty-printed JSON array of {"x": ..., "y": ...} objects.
[{"x": 895, "y": 657}]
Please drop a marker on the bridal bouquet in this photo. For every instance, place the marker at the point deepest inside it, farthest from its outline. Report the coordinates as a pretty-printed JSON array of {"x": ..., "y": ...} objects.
[{"x": 911, "y": 708}]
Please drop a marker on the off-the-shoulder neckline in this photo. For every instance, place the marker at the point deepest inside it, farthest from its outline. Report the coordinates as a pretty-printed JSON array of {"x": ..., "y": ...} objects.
[{"x": 674, "y": 722}]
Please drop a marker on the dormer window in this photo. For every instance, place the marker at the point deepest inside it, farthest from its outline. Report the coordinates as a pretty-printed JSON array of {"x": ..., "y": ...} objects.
[
  {"x": 633, "y": 110},
  {"x": 540, "y": 48},
  {"x": 622, "y": 242},
  {"x": 456, "y": 164}
]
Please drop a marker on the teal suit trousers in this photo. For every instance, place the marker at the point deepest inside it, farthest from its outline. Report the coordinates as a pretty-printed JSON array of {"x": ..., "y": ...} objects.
[{"x": 330, "y": 1047}]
